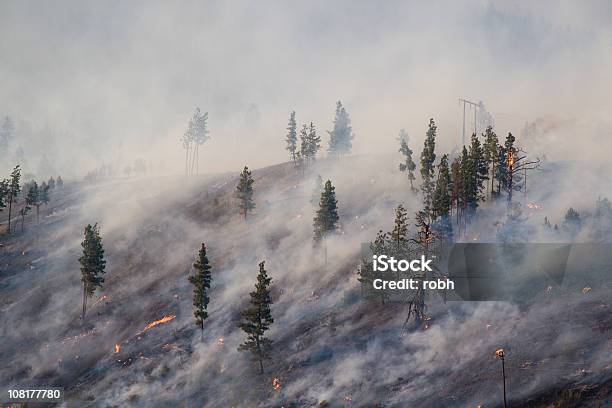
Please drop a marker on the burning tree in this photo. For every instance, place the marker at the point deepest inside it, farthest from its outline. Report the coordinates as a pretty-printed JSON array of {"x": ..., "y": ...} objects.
[
  {"x": 201, "y": 284},
  {"x": 92, "y": 263},
  {"x": 257, "y": 319},
  {"x": 513, "y": 167},
  {"x": 244, "y": 192}
]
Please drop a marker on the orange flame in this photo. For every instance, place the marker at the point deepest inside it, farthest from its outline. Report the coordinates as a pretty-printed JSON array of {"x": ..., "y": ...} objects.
[
  {"x": 276, "y": 384},
  {"x": 163, "y": 320},
  {"x": 499, "y": 353},
  {"x": 535, "y": 206},
  {"x": 100, "y": 299},
  {"x": 117, "y": 348},
  {"x": 220, "y": 341},
  {"x": 511, "y": 157}
]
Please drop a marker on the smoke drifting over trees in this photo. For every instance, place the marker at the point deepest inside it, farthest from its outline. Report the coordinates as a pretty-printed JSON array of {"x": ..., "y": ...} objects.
[{"x": 103, "y": 291}]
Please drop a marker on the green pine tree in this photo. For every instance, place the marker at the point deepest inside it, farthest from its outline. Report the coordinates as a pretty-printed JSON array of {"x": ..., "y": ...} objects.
[
  {"x": 428, "y": 157},
  {"x": 304, "y": 145},
  {"x": 442, "y": 200},
  {"x": 314, "y": 142},
  {"x": 92, "y": 262},
  {"x": 477, "y": 174},
  {"x": 491, "y": 153},
  {"x": 326, "y": 218},
  {"x": 291, "y": 138},
  {"x": 341, "y": 136},
  {"x": 35, "y": 195},
  {"x": 201, "y": 285},
  {"x": 13, "y": 191},
  {"x": 4, "y": 190},
  {"x": 257, "y": 318},
  {"x": 408, "y": 165},
  {"x": 244, "y": 192}
]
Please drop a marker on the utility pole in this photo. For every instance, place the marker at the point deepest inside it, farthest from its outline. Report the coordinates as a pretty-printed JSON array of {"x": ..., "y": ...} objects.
[
  {"x": 474, "y": 105},
  {"x": 499, "y": 353}
]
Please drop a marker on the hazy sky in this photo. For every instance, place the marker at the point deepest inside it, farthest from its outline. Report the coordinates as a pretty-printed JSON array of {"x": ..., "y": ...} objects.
[{"x": 124, "y": 77}]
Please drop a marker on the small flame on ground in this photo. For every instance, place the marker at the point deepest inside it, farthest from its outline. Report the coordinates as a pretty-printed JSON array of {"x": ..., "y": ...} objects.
[
  {"x": 586, "y": 290},
  {"x": 117, "y": 348},
  {"x": 276, "y": 384},
  {"x": 535, "y": 206},
  {"x": 220, "y": 341},
  {"x": 163, "y": 320},
  {"x": 100, "y": 299}
]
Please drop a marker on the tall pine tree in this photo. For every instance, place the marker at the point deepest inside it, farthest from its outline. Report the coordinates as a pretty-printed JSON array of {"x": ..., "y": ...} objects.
[
  {"x": 408, "y": 165},
  {"x": 93, "y": 264},
  {"x": 442, "y": 201},
  {"x": 314, "y": 142},
  {"x": 201, "y": 285},
  {"x": 326, "y": 218},
  {"x": 257, "y": 318},
  {"x": 244, "y": 192},
  {"x": 341, "y": 136},
  {"x": 13, "y": 191},
  {"x": 428, "y": 157},
  {"x": 291, "y": 138},
  {"x": 490, "y": 153}
]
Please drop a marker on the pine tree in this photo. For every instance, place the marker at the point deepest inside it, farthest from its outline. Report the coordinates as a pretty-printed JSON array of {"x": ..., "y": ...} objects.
[
  {"x": 257, "y": 318},
  {"x": 399, "y": 234},
  {"x": 456, "y": 185},
  {"x": 291, "y": 138},
  {"x": 44, "y": 193},
  {"x": 244, "y": 192},
  {"x": 428, "y": 157},
  {"x": 33, "y": 198},
  {"x": 314, "y": 142},
  {"x": 464, "y": 187},
  {"x": 501, "y": 170},
  {"x": 408, "y": 165},
  {"x": 491, "y": 153},
  {"x": 304, "y": 145},
  {"x": 425, "y": 239},
  {"x": 340, "y": 138},
  {"x": 477, "y": 174},
  {"x": 13, "y": 191},
  {"x": 398, "y": 245},
  {"x": 572, "y": 222},
  {"x": 442, "y": 201},
  {"x": 201, "y": 285},
  {"x": 4, "y": 190},
  {"x": 326, "y": 218},
  {"x": 51, "y": 183},
  {"x": 60, "y": 182},
  {"x": 92, "y": 262}
]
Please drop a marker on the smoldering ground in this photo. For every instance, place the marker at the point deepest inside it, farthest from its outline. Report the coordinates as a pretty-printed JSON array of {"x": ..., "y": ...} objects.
[{"x": 330, "y": 344}]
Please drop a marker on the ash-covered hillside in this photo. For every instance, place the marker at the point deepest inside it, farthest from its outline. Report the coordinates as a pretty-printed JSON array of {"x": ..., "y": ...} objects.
[{"x": 139, "y": 345}]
